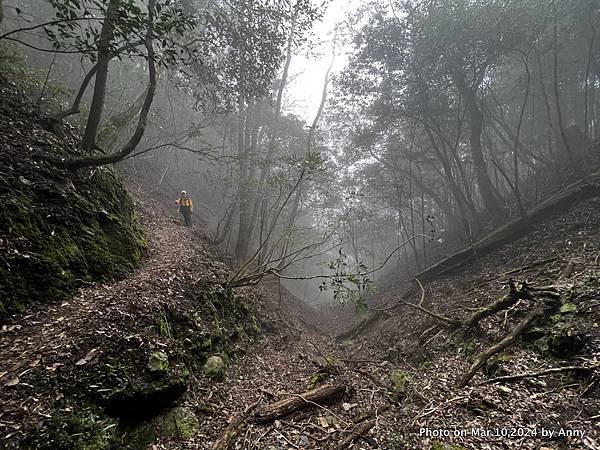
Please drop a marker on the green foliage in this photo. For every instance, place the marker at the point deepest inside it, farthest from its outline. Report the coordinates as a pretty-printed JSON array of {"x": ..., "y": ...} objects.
[
  {"x": 242, "y": 48},
  {"x": 158, "y": 362},
  {"x": 568, "y": 308},
  {"x": 400, "y": 381},
  {"x": 76, "y": 27},
  {"x": 164, "y": 326},
  {"x": 348, "y": 286},
  {"x": 437, "y": 445}
]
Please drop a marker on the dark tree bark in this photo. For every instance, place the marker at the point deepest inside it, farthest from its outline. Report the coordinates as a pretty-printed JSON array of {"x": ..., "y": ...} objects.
[
  {"x": 104, "y": 57},
  {"x": 475, "y": 119},
  {"x": 143, "y": 116},
  {"x": 242, "y": 243}
]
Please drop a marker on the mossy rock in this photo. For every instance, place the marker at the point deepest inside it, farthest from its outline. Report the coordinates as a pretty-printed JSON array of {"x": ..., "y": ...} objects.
[
  {"x": 495, "y": 365},
  {"x": 441, "y": 446},
  {"x": 178, "y": 423},
  {"x": 60, "y": 230},
  {"x": 400, "y": 381},
  {"x": 568, "y": 308},
  {"x": 214, "y": 368},
  {"x": 158, "y": 363}
]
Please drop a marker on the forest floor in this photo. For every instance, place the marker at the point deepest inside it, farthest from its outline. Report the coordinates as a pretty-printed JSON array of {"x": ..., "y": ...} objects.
[{"x": 399, "y": 376}]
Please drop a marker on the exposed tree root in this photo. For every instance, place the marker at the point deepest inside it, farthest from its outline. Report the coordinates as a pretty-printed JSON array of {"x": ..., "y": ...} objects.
[
  {"x": 283, "y": 408},
  {"x": 515, "y": 294}
]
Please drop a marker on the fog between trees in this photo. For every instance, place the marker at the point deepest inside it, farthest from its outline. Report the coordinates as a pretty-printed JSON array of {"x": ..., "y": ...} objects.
[{"x": 450, "y": 119}]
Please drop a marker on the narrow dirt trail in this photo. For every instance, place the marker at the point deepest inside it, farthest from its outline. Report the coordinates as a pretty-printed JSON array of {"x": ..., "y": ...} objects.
[
  {"x": 398, "y": 377},
  {"x": 43, "y": 353},
  {"x": 58, "y": 338},
  {"x": 58, "y": 330}
]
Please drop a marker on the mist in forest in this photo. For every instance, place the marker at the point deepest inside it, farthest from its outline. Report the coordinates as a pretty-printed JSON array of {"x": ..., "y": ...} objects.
[{"x": 324, "y": 148}]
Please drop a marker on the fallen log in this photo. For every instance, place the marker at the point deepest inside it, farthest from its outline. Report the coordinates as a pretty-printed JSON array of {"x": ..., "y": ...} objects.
[
  {"x": 583, "y": 188},
  {"x": 357, "y": 432},
  {"x": 315, "y": 397},
  {"x": 541, "y": 373}
]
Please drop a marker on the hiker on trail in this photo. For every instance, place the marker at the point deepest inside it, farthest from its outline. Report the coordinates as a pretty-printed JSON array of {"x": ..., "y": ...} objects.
[{"x": 186, "y": 207}]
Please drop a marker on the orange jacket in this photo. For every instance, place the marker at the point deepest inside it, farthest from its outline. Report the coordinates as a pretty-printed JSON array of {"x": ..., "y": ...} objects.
[{"x": 187, "y": 202}]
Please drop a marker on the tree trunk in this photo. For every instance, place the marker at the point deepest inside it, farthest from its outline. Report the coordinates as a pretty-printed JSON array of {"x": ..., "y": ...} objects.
[
  {"x": 566, "y": 197},
  {"x": 255, "y": 188},
  {"x": 104, "y": 57},
  {"x": 242, "y": 243},
  {"x": 475, "y": 119},
  {"x": 261, "y": 200},
  {"x": 559, "y": 113},
  {"x": 290, "y": 227},
  {"x": 143, "y": 116}
]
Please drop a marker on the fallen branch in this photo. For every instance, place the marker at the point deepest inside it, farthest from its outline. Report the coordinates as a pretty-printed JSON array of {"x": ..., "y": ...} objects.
[
  {"x": 357, "y": 432},
  {"x": 505, "y": 302},
  {"x": 234, "y": 428},
  {"x": 283, "y": 408},
  {"x": 419, "y": 306},
  {"x": 541, "y": 373},
  {"x": 535, "y": 313}
]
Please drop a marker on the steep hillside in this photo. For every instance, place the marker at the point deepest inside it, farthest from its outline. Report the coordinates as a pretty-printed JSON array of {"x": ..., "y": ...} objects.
[
  {"x": 58, "y": 231},
  {"x": 122, "y": 352},
  {"x": 549, "y": 396},
  {"x": 113, "y": 313}
]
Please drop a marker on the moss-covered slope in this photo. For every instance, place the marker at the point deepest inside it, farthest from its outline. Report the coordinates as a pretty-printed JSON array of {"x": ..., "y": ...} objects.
[{"x": 57, "y": 230}]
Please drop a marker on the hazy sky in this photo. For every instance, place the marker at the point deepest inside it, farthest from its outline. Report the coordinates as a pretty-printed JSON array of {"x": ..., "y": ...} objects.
[{"x": 307, "y": 72}]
